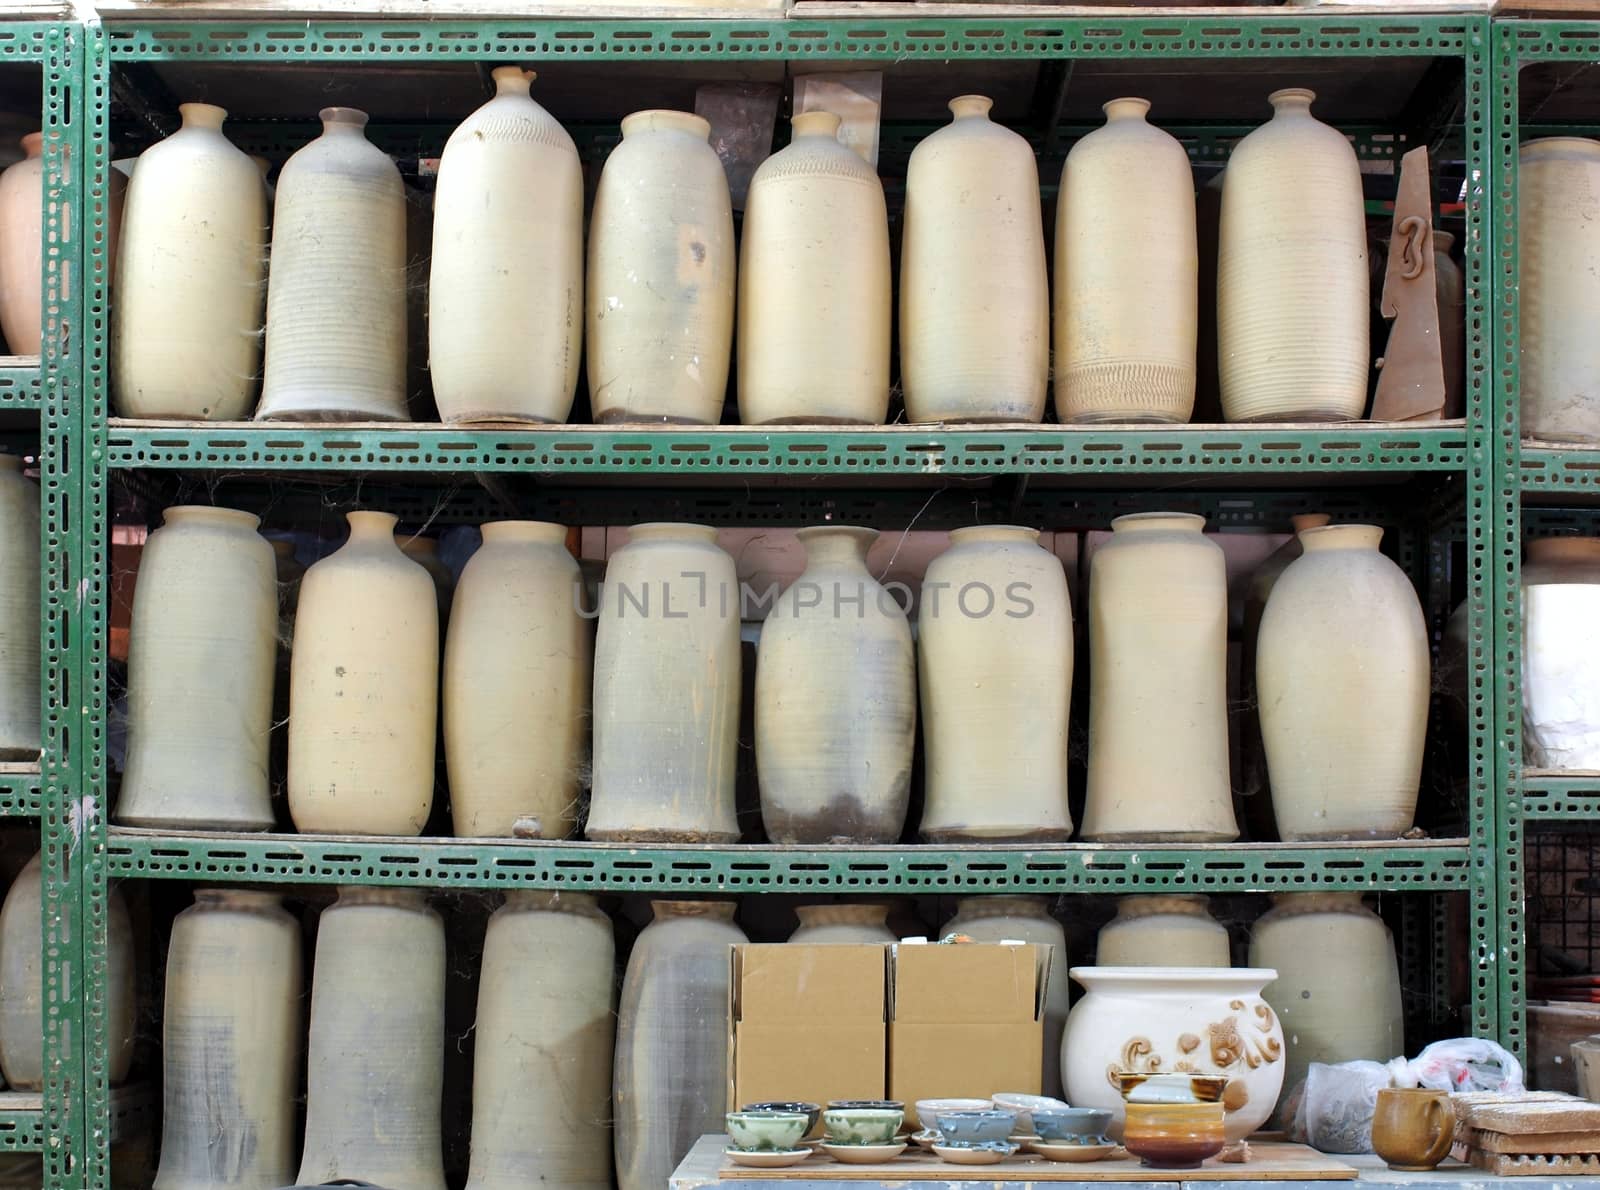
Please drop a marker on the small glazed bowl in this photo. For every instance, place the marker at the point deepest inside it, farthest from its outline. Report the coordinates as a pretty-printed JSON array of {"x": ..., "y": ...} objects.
[
  {"x": 968, "y": 1128},
  {"x": 854, "y": 1104},
  {"x": 1072, "y": 1125},
  {"x": 1024, "y": 1105},
  {"x": 767, "y": 1131},
  {"x": 811, "y": 1110},
  {"x": 927, "y": 1109},
  {"x": 1174, "y": 1135},
  {"x": 862, "y": 1125}
]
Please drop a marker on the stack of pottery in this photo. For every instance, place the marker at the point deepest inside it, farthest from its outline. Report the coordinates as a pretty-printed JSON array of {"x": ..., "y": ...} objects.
[
  {"x": 863, "y": 1132},
  {"x": 20, "y": 671},
  {"x": 1173, "y": 1121},
  {"x": 1162, "y": 930},
  {"x": 768, "y": 1138},
  {"x": 1561, "y": 653},
  {"x": 980, "y": 1137}
]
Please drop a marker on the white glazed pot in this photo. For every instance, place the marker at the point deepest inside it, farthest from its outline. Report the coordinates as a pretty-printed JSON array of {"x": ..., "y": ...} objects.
[{"x": 1193, "y": 1020}]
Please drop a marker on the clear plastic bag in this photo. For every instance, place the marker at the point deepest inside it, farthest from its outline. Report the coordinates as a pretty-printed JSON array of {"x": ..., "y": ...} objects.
[
  {"x": 1460, "y": 1064},
  {"x": 1336, "y": 1106}
]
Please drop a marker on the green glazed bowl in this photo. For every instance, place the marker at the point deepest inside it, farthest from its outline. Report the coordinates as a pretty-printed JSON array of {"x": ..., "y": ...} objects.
[
  {"x": 862, "y": 1125},
  {"x": 767, "y": 1131}
]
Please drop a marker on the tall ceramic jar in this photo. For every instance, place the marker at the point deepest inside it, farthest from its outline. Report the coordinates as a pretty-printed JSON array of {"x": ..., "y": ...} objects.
[
  {"x": 375, "y": 1060},
  {"x": 517, "y": 663},
  {"x": 19, "y": 626},
  {"x": 1558, "y": 247},
  {"x": 363, "y": 688},
  {"x": 191, "y": 279},
  {"x": 1450, "y": 287},
  {"x": 543, "y": 1045},
  {"x": 1338, "y": 986},
  {"x": 22, "y": 249},
  {"x": 666, "y": 690},
  {"x": 1162, "y": 930},
  {"x": 827, "y": 925},
  {"x": 1342, "y": 675},
  {"x": 1292, "y": 283},
  {"x": 230, "y": 1048},
  {"x": 1127, "y": 259},
  {"x": 974, "y": 295},
  {"x": 814, "y": 285},
  {"x": 995, "y": 666},
  {"x": 22, "y": 983},
  {"x": 505, "y": 295},
  {"x": 1158, "y": 696},
  {"x": 836, "y": 700},
  {"x": 201, "y": 659},
  {"x": 1561, "y": 653},
  {"x": 661, "y": 275},
  {"x": 1025, "y": 919},
  {"x": 671, "y": 1075},
  {"x": 336, "y": 304}
]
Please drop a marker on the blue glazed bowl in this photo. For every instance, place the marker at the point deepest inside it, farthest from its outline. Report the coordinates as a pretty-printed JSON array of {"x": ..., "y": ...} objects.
[
  {"x": 1072, "y": 1125},
  {"x": 969, "y": 1129}
]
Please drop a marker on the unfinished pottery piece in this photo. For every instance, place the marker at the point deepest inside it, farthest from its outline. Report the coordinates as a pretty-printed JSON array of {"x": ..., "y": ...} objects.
[
  {"x": 826, "y": 925},
  {"x": 1162, "y": 930},
  {"x": 21, "y": 249},
  {"x": 20, "y": 656},
  {"x": 1561, "y": 653}
]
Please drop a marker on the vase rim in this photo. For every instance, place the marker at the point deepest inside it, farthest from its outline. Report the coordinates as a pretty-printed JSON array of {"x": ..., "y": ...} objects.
[
  {"x": 1126, "y": 107},
  {"x": 1550, "y": 549},
  {"x": 512, "y": 80},
  {"x": 653, "y": 118},
  {"x": 372, "y": 894},
  {"x": 970, "y": 107},
  {"x": 856, "y": 534},
  {"x": 1443, "y": 238},
  {"x": 366, "y": 522},
  {"x": 546, "y": 532},
  {"x": 1540, "y": 143},
  {"x": 1152, "y": 904},
  {"x": 1341, "y": 537},
  {"x": 195, "y": 114},
  {"x": 11, "y": 462},
  {"x": 551, "y": 899},
  {"x": 209, "y": 512},
  {"x": 815, "y": 123},
  {"x": 219, "y": 894},
  {"x": 668, "y": 907},
  {"x": 33, "y": 144},
  {"x": 670, "y": 530},
  {"x": 1142, "y": 521},
  {"x": 993, "y": 533},
  {"x": 1210, "y": 976},
  {"x": 1292, "y": 99},
  {"x": 347, "y": 119}
]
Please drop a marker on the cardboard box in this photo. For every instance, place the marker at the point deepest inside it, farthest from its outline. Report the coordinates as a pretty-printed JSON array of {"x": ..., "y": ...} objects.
[
  {"x": 806, "y": 1023},
  {"x": 966, "y": 1021}
]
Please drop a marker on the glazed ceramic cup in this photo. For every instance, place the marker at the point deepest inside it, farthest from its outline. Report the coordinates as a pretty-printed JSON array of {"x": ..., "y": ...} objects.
[
  {"x": 927, "y": 1109},
  {"x": 963, "y": 1129},
  {"x": 767, "y": 1131},
  {"x": 862, "y": 1125},
  {"x": 811, "y": 1111},
  {"x": 1413, "y": 1128},
  {"x": 1072, "y": 1125},
  {"x": 1174, "y": 1135}
]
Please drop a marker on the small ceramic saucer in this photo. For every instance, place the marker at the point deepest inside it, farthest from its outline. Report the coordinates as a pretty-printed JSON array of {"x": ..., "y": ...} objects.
[
  {"x": 957, "y": 1155},
  {"x": 927, "y": 1138},
  {"x": 780, "y": 1159},
  {"x": 1024, "y": 1141},
  {"x": 864, "y": 1154},
  {"x": 1052, "y": 1152}
]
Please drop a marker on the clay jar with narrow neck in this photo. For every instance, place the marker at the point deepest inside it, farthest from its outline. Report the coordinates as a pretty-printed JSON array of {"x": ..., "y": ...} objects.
[
  {"x": 230, "y": 1053},
  {"x": 19, "y": 626},
  {"x": 1342, "y": 675},
  {"x": 670, "y": 1084},
  {"x": 1450, "y": 286},
  {"x": 202, "y": 656},
  {"x": 1292, "y": 284},
  {"x": 505, "y": 292},
  {"x": 814, "y": 285},
  {"x": 363, "y": 688},
  {"x": 661, "y": 275},
  {"x": 1158, "y": 705},
  {"x": 191, "y": 278},
  {"x": 21, "y": 249},
  {"x": 336, "y": 304},
  {"x": 1164, "y": 930},
  {"x": 974, "y": 297},
  {"x": 827, "y": 925},
  {"x": 836, "y": 700},
  {"x": 1561, "y": 653},
  {"x": 1127, "y": 259},
  {"x": 995, "y": 653},
  {"x": 541, "y": 1081},
  {"x": 375, "y": 1061}
]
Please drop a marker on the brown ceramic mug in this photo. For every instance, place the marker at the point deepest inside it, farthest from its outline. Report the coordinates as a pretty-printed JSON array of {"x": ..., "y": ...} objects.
[{"x": 1413, "y": 1128}]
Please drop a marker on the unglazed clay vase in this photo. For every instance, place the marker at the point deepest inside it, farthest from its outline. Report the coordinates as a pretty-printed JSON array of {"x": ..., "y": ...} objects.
[
  {"x": 1558, "y": 246},
  {"x": 666, "y": 690},
  {"x": 835, "y": 701},
  {"x": 1196, "y": 1020},
  {"x": 336, "y": 304},
  {"x": 1338, "y": 988},
  {"x": 21, "y": 249},
  {"x": 505, "y": 295},
  {"x": 19, "y": 627},
  {"x": 375, "y": 1061},
  {"x": 1162, "y": 930},
  {"x": 231, "y": 1029},
  {"x": 995, "y": 666},
  {"x": 974, "y": 295},
  {"x": 814, "y": 285},
  {"x": 1127, "y": 257},
  {"x": 1450, "y": 286},
  {"x": 1025, "y": 919},
  {"x": 543, "y": 1045},
  {"x": 1561, "y": 653},
  {"x": 202, "y": 656},
  {"x": 22, "y": 984},
  {"x": 1292, "y": 283},
  {"x": 828, "y": 925},
  {"x": 517, "y": 661},
  {"x": 1158, "y": 649},
  {"x": 661, "y": 275},
  {"x": 1344, "y": 751},
  {"x": 191, "y": 278},
  {"x": 363, "y": 688},
  {"x": 671, "y": 1078}
]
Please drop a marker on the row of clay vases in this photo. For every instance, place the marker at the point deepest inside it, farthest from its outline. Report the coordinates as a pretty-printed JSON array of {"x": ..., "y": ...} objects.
[
  {"x": 1561, "y": 653},
  {"x": 19, "y": 627}
]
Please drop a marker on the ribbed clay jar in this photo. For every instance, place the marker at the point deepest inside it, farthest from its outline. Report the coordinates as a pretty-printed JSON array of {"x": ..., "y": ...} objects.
[
  {"x": 1450, "y": 286},
  {"x": 1338, "y": 987},
  {"x": 995, "y": 666},
  {"x": 1558, "y": 247},
  {"x": 517, "y": 663},
  {"x": 19, "y": 626},
  {"x": 201, "y": 659},
  {"x": 1158, "y": 693},
  {"x": 835, "y": 701},
  {"x": 363, "y": 688},
  {"x": 974, "y": 294},
  {"x": 833, "y": 925},
  {"x": 661, "y": 275},
  {"x": 505, "y": 295},
  {"x": 1561, "y": 653},
  {"x": 1292, "y": 318},
  {"x": 666, "y": 690},
  {"x": 375, "y": 1060},
  {"x": 543, "y": 1046},
  {"x": 671, "y": 1079},
  {"x": 1162, "y": 930},
  {"x": 230, "y": 1053},
  {"x": 814, "y": 285},
  {"x": 1127, "y": 258},
  {"x": 191, "y": 278},
  {"x": 336, "y": 302},
  {"x": 1025, "y": 919},
  {"x": 21, "y": 249},
  {"x": 1343, "y": 675}
]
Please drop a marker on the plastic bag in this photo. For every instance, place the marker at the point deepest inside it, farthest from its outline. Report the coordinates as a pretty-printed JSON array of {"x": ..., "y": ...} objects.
[
  {"x": 1460, "y": 1064},
  {"x": 1336, "y": 1107}
]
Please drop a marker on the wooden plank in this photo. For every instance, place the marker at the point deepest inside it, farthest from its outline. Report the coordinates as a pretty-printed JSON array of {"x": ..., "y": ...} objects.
[
  {"x": 826, "y": 9},
  {"x": 1535, "y": 1118}
]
